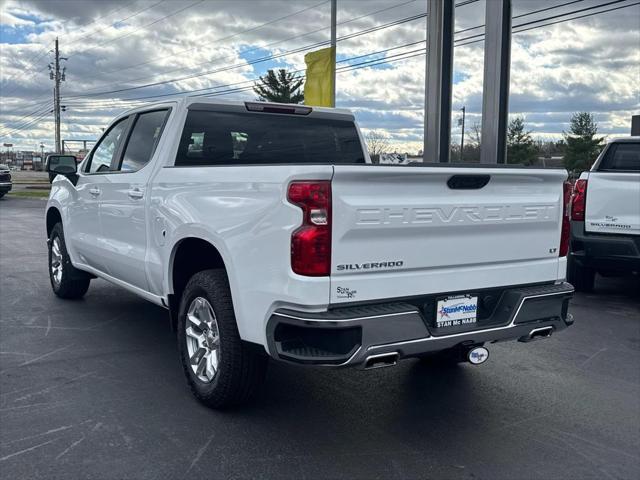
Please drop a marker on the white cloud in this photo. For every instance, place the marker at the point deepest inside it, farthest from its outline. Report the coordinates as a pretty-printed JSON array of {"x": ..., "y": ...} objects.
[{"x": 591, "y": 64}]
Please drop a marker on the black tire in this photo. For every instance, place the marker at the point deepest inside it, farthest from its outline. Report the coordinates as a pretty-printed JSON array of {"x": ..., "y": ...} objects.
[
  {"x": 73, "y": 283},
  {"x": 2, "y": 194},
  {"x": 582, "y": 278},
  {"x": 241, "y": 366}
]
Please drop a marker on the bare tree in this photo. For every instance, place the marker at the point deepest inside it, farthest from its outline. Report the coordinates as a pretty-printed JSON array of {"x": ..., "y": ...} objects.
[
  {"x": 377, "y": 144},
  {"x": 476, "y": 134}
]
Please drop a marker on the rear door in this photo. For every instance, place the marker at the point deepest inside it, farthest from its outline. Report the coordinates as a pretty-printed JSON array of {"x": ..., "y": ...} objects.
[
  {"x": 613, "y": 191},
  {"x": 84, "y": 232},
  {"x": 123, "y": 212},
  {"x": 400, "y": 231}
]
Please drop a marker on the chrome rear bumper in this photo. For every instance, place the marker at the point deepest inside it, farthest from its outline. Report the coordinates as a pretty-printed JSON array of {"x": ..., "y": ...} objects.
[{"x": 347, "y": 336}]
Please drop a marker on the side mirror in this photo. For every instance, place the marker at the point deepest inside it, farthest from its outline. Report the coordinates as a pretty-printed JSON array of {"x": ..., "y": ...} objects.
[{"x": 65, "y": 165}]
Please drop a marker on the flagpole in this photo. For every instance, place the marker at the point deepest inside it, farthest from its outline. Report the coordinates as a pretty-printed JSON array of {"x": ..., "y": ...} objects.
[{"x": 334, "y": 9}]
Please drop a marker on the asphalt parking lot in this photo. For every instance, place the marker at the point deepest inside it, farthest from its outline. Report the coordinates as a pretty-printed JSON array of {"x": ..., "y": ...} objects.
[{"x": 94, "y": 389}]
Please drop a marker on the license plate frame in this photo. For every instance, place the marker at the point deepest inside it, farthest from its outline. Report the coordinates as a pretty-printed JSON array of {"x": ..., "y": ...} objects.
[{"x": 456, "y": 311}]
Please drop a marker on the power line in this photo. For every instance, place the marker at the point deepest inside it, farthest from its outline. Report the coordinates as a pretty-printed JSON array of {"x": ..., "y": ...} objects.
[
  {"x": 44, "y": 50},
  {"x": 25, "y": 118},
  {"x": 554, "y": 16},
  {"x": 405, "y": 55},
  {"x": 180, "y": 10},
  {"x": 271, "y": 22},
  {"x": 404, "y": 20},
  {"x": 341, "y": 23},
  {"x": 271, "y": 57},
  {"x": 30, "y": 124},
  {"x": 559, "y": 21},
  {"x": 135, "y": 14},
  {"x": 47, "y": 49},
  {"x": 553, "y": 7},
  {"x": 370, "y": 63},
  {"x": 260, "y": 47}
]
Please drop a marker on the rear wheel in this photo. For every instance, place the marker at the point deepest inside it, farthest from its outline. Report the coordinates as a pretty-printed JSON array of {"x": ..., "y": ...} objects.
[
  {"x": 221, "y": 369},
  {"x": 582, "y": 278},
  {"x": 66, "y": 280}
]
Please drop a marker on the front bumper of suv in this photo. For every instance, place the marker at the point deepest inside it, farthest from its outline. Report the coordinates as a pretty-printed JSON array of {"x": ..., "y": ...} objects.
[
  {"x": 5, "y": 187},
  {"x": 349, "y": 336}
]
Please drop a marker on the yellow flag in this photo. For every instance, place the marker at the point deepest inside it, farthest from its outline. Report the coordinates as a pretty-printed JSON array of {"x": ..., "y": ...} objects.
[{"x": 319, "y": 81}]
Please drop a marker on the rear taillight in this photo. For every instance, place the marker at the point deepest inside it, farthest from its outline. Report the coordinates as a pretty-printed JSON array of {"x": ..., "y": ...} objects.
[
  {"x": 311, "y": 242},
  {"x": 566, "y": 225},
  {"x": 579, "y": 201}
]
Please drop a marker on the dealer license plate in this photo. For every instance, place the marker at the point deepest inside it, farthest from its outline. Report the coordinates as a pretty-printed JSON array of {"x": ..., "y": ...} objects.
[{"x": 455, "y": 311}]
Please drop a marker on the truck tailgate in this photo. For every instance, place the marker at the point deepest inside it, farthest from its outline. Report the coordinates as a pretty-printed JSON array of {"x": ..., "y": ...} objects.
[
  {"x": 613, "y": 203},
  {"x": 401, "y": 231}
]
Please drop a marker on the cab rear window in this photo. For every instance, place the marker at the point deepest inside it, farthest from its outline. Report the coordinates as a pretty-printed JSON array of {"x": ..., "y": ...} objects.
[
  {"x": 217, "y": 138},
  {"x": 622, "y": 157}
]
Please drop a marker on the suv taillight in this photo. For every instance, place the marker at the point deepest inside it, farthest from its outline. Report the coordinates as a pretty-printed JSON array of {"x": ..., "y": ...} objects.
[
  {"x": 311, "y": 242},
  {"x": 566, "y": 225},
  {"x": 579, "y": 201}
]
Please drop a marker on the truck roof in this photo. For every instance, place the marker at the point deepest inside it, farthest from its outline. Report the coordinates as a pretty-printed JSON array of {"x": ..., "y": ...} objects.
[
  {"x": 624, "y": 139},
  {"x": 187, "y": 101}
]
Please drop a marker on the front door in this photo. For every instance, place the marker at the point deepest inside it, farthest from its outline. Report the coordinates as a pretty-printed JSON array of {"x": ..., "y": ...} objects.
[{"x": 123, "y": 210}]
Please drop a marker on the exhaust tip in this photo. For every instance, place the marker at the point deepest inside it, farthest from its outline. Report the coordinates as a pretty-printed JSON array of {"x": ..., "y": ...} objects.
[
  {"x": 477, "y": 355},
  {"x": 381, "y": 360},
  {"x": 539, "y": 333}
]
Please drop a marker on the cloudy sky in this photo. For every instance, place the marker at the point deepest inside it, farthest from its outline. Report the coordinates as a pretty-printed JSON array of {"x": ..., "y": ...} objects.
[{"x": 121, "y": 53}]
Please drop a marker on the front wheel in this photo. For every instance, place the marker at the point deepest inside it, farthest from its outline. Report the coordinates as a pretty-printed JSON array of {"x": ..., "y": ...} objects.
[
  {"x": 221, "y": 369},
  {"x": 66, "y": 280}
]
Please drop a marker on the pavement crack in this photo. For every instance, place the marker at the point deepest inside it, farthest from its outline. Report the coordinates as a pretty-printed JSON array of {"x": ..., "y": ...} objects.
[
  {"x": 201, "y": 451},
  {"x": 26, "y": 450},
  {"x": 70, "y": 447},
  {"x": 33, "y": 360}
]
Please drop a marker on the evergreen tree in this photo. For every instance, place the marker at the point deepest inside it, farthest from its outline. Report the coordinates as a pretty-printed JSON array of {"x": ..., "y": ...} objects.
[
  {"x": 582, "y": 146},
  {"x": 520, "y": 145},
  {"x": 281, "y": 87}
]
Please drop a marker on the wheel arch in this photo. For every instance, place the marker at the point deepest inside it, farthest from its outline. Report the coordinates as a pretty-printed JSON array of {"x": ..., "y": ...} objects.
[
  {"x": 53, "y": 216},
  {"x": 189, "y": 256}
]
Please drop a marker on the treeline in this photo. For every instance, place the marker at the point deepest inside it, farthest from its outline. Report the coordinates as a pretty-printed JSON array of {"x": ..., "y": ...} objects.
[{"x": 578, "y": 148}]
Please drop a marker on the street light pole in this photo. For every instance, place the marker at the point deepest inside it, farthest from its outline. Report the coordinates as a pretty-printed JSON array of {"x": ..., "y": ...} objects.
[
  {"x": 464, "y": 108},
  {"x": 334, "y": 14}
]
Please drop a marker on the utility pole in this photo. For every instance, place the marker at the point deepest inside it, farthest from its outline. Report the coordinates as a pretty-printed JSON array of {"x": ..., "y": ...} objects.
[
  {"x": 464, "y": 109},
  {"x": 334, "y": 14},
  {"x": 57, "y": 76}
]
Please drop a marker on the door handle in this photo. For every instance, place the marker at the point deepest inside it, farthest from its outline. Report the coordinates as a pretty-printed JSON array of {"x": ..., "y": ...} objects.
[
  {"x": 94, "y": 191},
  {"x": 135, "y": 193}
]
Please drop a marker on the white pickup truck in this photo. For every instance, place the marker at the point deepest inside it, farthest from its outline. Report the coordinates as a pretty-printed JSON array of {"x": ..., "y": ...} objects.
[
  {"x": 605, "y": 215},
  {"x": 266, "y": 231}
]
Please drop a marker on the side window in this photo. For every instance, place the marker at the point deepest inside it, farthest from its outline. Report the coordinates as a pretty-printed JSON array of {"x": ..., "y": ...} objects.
[
  {"x": 622, "y": 157},
  {"x": 104, "y": 152},
  {"x": 143, "y": 140}
]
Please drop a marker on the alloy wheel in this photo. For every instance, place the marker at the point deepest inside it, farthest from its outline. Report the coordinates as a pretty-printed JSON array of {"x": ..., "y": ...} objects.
[{"x": 203, "y": 340}]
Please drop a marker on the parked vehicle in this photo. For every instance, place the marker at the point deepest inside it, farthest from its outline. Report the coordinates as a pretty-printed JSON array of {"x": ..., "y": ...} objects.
[
  {"x": 605, "y": 216},
  {"x": 5, "y": 180},
  {"x": 265, "y": 230}
]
